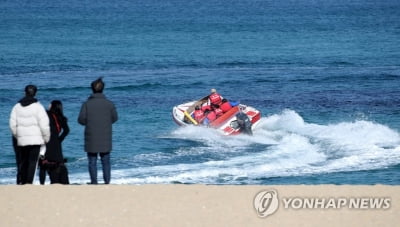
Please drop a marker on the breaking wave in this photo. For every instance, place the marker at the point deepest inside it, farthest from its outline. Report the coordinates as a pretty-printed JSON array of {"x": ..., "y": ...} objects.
[{"x": 282, "y": 145}]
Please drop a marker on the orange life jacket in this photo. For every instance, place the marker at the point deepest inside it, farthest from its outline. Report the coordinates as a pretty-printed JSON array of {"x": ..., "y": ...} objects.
[
  {"x": 198, "y": 115},
  {"x": 211, "y": 116},
  {"x": 206, "y": 107},
  {"x": 225, "y": 106},
  {"x": 215, "y": 98},
  {"x": 218, "y": 112}
]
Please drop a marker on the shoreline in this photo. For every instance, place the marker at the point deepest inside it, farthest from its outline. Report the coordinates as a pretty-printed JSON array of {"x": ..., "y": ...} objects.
[{"x": 199, "y": 205}]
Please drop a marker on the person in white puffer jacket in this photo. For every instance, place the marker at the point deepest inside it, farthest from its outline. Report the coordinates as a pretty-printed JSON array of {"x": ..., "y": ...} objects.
[{"x": 29, "y": 124}]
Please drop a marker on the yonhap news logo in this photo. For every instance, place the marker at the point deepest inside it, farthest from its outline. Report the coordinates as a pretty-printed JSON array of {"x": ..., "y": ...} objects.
[{"x": 267, "y": 202}]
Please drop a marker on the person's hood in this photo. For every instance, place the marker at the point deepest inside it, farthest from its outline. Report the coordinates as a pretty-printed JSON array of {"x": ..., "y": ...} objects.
[{"x": 26, "y": 101}]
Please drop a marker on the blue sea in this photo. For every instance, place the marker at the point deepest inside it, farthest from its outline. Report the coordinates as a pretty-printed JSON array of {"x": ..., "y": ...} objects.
[{"x": 325, "y": 75}]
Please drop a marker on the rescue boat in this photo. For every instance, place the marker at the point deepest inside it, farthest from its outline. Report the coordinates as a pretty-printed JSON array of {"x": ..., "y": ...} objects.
[{"x": 240, "y": 119}]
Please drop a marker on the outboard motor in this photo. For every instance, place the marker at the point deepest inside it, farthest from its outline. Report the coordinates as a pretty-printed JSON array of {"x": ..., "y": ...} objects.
[{"x": 244, "y": 123}]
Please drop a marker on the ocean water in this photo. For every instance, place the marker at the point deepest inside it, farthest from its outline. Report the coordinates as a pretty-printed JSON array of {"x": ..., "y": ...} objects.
[{"x": 325, "y": 75}]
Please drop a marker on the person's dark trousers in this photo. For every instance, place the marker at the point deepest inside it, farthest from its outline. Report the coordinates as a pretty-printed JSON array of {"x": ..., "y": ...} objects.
[
  {"x": 105, "y": 161},
  {"x": 29, "y": 159},
  {"x": 59, "y": 174},
  {"x": 17, "y": 152},
  {"x": 63, "y": 174},
  {"x": 42, "y": 173}
]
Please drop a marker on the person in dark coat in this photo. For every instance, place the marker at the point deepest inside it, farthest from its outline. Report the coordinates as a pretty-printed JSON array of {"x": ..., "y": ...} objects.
[
  {"x": 98, "y": 114},
  {"x": 53, "y": 161}
]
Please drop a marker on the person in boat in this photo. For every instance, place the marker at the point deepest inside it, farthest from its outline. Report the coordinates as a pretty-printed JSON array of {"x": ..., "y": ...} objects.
[
  {"x": 198, "y": 114},
  {"x": 205, "y": 107},
  {"x": 225, "y": 105},
  {"x": 244, "y": 122},
  {"x": 210, "y": 116},
  {"x": 218, "y": 111},
  {"x": 214, "y": 97}
]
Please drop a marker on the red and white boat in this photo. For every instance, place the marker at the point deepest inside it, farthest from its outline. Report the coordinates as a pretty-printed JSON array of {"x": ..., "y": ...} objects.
[{"x": 239, "y": 119}]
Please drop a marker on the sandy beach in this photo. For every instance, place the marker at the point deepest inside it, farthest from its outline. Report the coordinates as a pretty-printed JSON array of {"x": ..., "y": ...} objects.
[{"x": 198, "y": 205}]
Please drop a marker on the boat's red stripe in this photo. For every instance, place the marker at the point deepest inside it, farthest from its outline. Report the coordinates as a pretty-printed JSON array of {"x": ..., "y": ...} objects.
[{"x": 256, "y": 118}]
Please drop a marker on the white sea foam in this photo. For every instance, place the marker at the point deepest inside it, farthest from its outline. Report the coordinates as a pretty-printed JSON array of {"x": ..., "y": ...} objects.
[
  {"x": 293, "y": 147},
  {"x": 285, "y": 144}
]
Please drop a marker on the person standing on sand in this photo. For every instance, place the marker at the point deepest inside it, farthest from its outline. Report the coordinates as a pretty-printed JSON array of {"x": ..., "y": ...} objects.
[
  {"x": 30, "y": 127},
  {"x": 53, "y": 161},
  {"x": 98, "y": 114}
]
